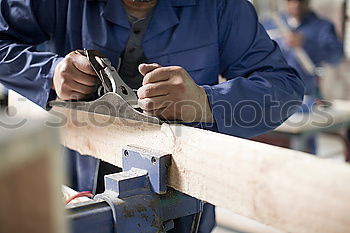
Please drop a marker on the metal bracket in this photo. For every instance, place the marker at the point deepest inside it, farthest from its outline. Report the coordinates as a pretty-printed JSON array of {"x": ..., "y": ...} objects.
[
  {"x": 154, "y": 162},
  {"x": 138, "y": 197}
]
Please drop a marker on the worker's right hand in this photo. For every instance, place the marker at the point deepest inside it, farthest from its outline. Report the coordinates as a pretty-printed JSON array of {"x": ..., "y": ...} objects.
[{"x": 74, "y": 78}]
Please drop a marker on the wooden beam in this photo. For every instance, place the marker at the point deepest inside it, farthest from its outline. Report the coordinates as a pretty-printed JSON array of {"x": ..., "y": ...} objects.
[
  {"x": 228, "y": 220},
  {"x": 285, "y": 189}
]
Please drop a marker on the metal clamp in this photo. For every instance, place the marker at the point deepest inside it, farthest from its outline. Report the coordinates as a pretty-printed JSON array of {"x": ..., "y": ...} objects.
[
  {"x": 154, "y": 162},
  {"x": 139, "y": 196}
]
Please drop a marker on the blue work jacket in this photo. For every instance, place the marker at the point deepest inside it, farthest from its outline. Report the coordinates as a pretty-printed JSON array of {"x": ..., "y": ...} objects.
[
  {"x": 206, "y": 37},
  {"x": 320, "y": 43}
]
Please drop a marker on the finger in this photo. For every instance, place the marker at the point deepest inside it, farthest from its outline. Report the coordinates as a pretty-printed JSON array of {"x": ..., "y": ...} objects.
[
  {"x": 81, "y": 88},
  {"x": 163, "y": 113},
  {"x": 146, "y": 68},
  {"x": 153, "y": 89},
  {"x": 85, "y": 79},
  {"x": 157, "y": 75},
  {"x": 82, "y": 63},
  {"x": 155, "y": 103},
  {"x": 75, "y": 96}
]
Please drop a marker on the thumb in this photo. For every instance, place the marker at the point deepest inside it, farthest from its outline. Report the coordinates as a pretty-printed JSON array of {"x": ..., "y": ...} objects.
[{"x": 146, "y": 68}]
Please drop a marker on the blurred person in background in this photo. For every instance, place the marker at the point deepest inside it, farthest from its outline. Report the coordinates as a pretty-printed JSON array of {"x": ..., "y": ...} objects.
[{"x": 313, "y": 34}]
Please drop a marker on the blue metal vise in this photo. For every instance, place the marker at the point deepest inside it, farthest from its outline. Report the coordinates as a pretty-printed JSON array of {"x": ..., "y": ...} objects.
[{"x": 136, "y": 200}]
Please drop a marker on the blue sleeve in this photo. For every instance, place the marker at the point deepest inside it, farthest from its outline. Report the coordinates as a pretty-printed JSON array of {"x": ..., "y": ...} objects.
[
  {"x": 24, "y": 24},
  {"x": 327, "y": 47},
  {"x": 262, "y": 90}
]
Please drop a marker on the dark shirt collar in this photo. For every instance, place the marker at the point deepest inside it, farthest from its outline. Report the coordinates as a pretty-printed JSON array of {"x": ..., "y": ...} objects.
[
  {"x": 173, "y": 2},
  {"x": 163, "y": 17},
  {"x": 114, "y": 11},
  {"x": 184, "y": 2}
]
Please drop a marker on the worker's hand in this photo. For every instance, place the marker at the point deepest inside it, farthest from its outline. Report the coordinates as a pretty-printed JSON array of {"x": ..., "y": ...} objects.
[
  {"x": 294, "y": 40},
  {"x": 170, "y": 93},
  {"x": 74, "y": 78}
]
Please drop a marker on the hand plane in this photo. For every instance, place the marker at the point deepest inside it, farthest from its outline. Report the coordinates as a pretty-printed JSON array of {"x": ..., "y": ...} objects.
[{"x": 114, "y": 97}]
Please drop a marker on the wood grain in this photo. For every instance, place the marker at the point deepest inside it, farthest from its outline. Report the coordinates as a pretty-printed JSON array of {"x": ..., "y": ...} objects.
[{"x": 288, "y": 190}]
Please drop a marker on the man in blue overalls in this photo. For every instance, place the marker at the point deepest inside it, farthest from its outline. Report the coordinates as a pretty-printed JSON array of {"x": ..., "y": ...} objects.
[
  {"x": 317, "y": 37},
  {"x": 171, "y": 50}
]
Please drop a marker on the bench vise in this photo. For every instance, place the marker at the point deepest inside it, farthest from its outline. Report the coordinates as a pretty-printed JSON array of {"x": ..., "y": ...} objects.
[{"x": 136, "y": 200}]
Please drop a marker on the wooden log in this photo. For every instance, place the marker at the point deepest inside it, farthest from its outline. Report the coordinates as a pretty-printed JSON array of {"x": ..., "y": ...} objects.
[{"x": 288, "y": 190}]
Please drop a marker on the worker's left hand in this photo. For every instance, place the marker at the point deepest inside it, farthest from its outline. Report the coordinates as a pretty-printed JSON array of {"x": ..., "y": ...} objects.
[
  {"x": 170, "y": 93},
  {"x": 294, "y": 40}
]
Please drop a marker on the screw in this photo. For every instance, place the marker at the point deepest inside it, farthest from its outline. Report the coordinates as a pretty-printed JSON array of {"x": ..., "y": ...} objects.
[
  {"x": 124, "y": 90},
  {"x": 126, "y": 153},
  {"x": 154, "y": 160}
]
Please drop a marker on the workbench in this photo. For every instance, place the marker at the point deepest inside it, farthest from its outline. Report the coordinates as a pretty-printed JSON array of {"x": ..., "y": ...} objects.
[
  {"x": 288, "y": 190},
  {"x": 295, "y": 132},
  {"x": 285, "y": 189}
]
